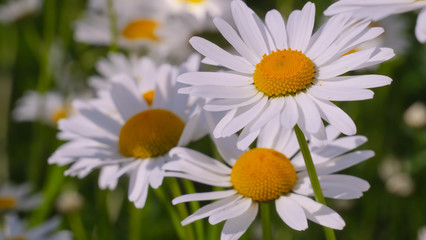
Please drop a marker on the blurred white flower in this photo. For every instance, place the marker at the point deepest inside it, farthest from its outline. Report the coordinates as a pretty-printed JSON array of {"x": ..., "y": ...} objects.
[
  {"x": 18, "y": 198},
  {"x": 389, "y": 167},
  {"x": 15, "y": 9},
  {"x": 16, "y": 229},
  {"x": 393, "y": 37},
  {"x": 201, "y": 12},
  {"x": 69, "y": 201},
  {"x": 47, "y": 108},
  {"x": 379, "y": 9},
  {"x": 415, "y": 115},
  {"x": 130, "y": 129},
  {"x": 421, "y": 234},
  {"x": 400, "y": 184},
  {"x": 135, "y": 67},
  {"x": 140, "y": 26}
]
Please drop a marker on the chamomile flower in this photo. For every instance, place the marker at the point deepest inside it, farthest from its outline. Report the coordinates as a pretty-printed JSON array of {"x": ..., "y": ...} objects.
[
  {"x": 139, "y": 27},
  {"x": 47, "y": 108},
  {"x": 18, "y": 198},
  {"x": 283, "y": 70},
  {"x": 16, "y": 9},
  {"x": 201, "y": 10},
  {"x": 135, "y": 136},
  {"x": 117, "y": 63},
  {"x": 17, "y": 229},
  {"x": 273, "y": 171},
  {"x": 379, "y": 9}
]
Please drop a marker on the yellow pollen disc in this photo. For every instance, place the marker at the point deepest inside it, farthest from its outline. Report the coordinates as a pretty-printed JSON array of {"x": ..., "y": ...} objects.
[
  {"x": 284, "y": 72},
  {"x": 141, "y": 29},
  {"x": 59, "y": 114},
  {"x": 150, "y": 133},
  {"x": 192, "y": 1},
  {"x": 149, "y": 97},
  {"x": 7, "y": 203},
  {"x": 263, "y": 174}
]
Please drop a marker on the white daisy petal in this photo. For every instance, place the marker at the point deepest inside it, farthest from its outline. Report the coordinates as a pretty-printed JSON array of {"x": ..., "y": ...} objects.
[
  {"x": 276, "y": 26},
  {"x": 319, "y": 213},
  {"x": 234, "y": 228},
  {"x": 226, "y": 148},
  {"x": 232, "y": 37},
  {"x": 289, "y": 114},
  {"x": 273, "y": 108},
  {"x": 232, "y": 211},
  {"x": 215, "y": 79},
  {"x": 340, "y": 93},
  {"x": 248, "y": 28},
  {"x": 303, "y": 28},
  {"x": 291, "y": 213},
  {"x": 218, "y": 130},
  {"x": 309, "y": 112},
  {"x": 204, "y": 196},
  {"x": 421, "y": 26},
  {"x": 228, "y": 104},
  {"x": 215, "y": 182},
  {"x": 211, "y": 208},
  {"x": 138, "y": 178},
  {"x": 362, "y": 81},
  {"x": 223, "y": 92},
  {"x": 197, "y": 158},
  {"x": 344, "y": 162},
  {"x": 244, "y": 116},
  {"x": 220, "y": 56}
]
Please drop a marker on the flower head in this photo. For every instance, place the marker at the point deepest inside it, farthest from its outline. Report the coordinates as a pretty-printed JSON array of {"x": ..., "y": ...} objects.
[
  {"x": 18, "y": 198},
  {"x": 273, "y": 171},
  {"x": 130, "y": 129},
  {"x": 17, "y": 229},
  {"x": 284, "y": 70}
]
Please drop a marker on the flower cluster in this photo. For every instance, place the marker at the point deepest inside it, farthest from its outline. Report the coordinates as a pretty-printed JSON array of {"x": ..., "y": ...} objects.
[{"x": 266, "y": 101}]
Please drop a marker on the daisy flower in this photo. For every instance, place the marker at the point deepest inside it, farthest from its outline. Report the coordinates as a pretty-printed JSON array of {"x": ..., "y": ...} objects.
[
  {"x": 379, "y": 9},
  {"x": 18, "y": 198},
  {"x": 273, "y": 171},
  {"x": 135, "y": 136},
  {"x": 283, "y": 70},
  {"x": 17, "y": 9},
  {"x": 47, "y": 108},
  {"x": 201, "y": 10},
  {"x": 117, "y": 63},
  {"x": 138, "y": 27},
  {"x": 16, "y": 229}
]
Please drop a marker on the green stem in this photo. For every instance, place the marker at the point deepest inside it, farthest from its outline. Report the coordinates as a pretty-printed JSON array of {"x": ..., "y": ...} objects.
[
  {"x": 104, "y": 227},
  {"x": 136, "y": 217},
  {"x": 183, "y": 212},
  {"x": 77, "y": 226},
  {"x": 51, "y": 190},
  {"x": 174, "y": 216},
  {"x": 49, "y": 35},
  {"x": 313, "y": 177},
  {"x": 194, "y": 206},
  {"x": 113, "y": 26},
  {"x": 265, "y": 213}
]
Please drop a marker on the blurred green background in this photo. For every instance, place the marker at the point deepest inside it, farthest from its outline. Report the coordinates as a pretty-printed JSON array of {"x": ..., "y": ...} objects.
[{"x": 38, "y": 51}]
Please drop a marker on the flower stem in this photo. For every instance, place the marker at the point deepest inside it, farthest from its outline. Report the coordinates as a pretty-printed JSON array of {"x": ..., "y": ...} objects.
[
  {"x": 265, "y": 213},
  {"x": 313, "y": 177},
  {"x": 113, "y": 26}
]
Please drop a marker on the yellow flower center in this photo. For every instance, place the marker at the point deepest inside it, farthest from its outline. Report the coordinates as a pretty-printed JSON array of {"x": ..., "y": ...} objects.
[
  {"x": 192, "y": 1},
  {"x": 150, "y": 133},
  {"x": 149, "y": 97},
  {"x": 141, "y": 29},
  {"x": 7, "y": 202},
  {"x": 59, "y": 114},
  {"x": 263, "y": 174},
  {"x": 284, "y": 72}
]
